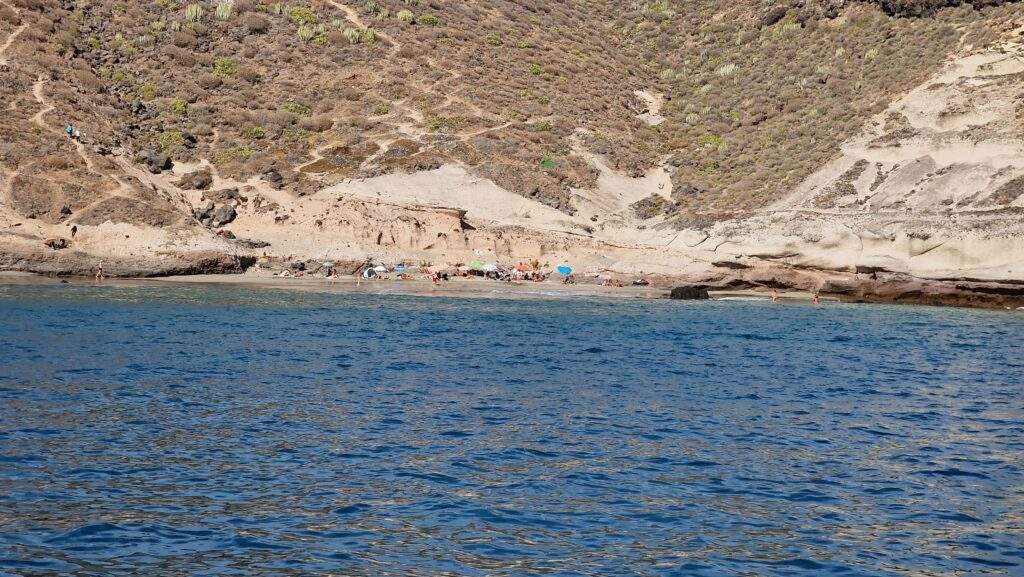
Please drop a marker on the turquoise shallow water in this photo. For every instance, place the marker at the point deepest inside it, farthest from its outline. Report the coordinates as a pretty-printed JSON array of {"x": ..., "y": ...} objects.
[{"x": 222, "y": 431}]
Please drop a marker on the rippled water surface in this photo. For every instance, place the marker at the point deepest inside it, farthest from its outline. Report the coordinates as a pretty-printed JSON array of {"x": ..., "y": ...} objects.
[{"x": 220, "y": 431}]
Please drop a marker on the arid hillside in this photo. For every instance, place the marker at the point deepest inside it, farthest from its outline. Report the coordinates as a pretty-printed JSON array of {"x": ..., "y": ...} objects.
[{"x": 609, "y": 119}]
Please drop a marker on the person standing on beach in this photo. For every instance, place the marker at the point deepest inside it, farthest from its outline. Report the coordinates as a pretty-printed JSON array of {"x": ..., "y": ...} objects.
[
  {"x": 817, "y": 300},
  {"x": 99, "y": 271},
  {"x": 775, "y": 295}
]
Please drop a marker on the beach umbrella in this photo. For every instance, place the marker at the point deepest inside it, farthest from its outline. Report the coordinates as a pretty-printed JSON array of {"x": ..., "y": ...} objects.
[
  {"x": 380, "y": 268},
  {"x": 605, "y": 276},
  {"x": 401, "y": 268},
  {"x": 523, "y": 267},
  {"x": 564, "y": 270},
  {"x": 489, "y": 267},
  {"x": 476, "y": 265}
]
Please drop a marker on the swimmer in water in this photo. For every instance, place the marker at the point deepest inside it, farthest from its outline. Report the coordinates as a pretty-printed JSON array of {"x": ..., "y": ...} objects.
[
  {"x": 775, "y": 296},
  {"x": 817, "y": 300}
]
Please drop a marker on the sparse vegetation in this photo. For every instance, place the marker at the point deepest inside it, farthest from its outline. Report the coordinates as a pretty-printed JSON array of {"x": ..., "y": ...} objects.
[
  {"x": 225, "y": 67},
  {"x": 759, "y": 95},
  {"x": 179, "y": 106},
  {"x": 194, "y": 12},
  {"x": 254, "y": 133},
  {"x": 297, "y": 108},
  {"x": 352, "y": 35},
  {"x": 302, "y": 16},
  {"x": 224, "y": 9},
  {"x": 170, "y": 139}
]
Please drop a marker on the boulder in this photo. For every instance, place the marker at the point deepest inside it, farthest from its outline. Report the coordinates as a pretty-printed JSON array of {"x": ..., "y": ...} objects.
[
  {"x": 274, "y": 177},
  {"x": 154, "y": 160},
  {"x": 224, "y": 215},
  {"x": 773, "y": 16},
  {"x": 204, "y": 212},
  {"x": 224, "y": 195},
  {"x": 57, "y": 243},
  {"x": 196, "y": 180},
  {"x": 689, "y": 293}
]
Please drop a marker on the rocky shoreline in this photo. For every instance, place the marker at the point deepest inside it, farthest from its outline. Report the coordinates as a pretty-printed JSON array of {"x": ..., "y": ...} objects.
[
  {"x": 881, "y": 288},
  {"x": 70, "y": 263},
  {"x": 865, "y": 287}
]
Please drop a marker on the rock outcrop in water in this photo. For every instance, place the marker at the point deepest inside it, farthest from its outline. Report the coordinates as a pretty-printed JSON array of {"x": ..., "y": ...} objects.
[{"x": 689, "y": 293}]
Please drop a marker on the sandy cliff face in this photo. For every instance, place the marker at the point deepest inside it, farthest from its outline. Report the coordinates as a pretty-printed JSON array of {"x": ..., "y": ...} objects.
[{"x": 932, "y": 188}]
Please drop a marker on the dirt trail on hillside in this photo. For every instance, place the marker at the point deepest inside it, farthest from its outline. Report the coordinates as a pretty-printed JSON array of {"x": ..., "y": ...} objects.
[
  {"x": 4, "y": 60},
  {"x": 7, "y": 43},
  {"x": 80, "y": 148},
  {"x": 352, "y": 16},
  {"x": 401, "y": 110}
]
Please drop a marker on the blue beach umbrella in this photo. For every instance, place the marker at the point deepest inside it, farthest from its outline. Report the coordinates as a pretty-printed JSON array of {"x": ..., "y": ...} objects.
[
  {"x": 564, "y": 269},
  {"x": 401, "y": 268}
]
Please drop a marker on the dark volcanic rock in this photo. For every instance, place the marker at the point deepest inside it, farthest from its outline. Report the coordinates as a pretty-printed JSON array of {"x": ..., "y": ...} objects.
[
  {"x": 224, "y": 215},
  {"x": 689, "y": 293},
  {"x": 927, "y": 7},
  {"x": 773, "y": 16},
  {"x": 204, "y": 212},
  {"x": 274, "y": 177},
  {"x": 196, "y": 180},
  {"x": 154, "y": 160}
]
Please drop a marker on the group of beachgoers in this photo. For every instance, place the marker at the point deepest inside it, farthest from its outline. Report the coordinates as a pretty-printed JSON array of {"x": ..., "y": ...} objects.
[{"x": 521, "y": 272}]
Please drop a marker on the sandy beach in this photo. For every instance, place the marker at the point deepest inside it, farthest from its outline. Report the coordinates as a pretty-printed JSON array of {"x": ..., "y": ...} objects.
[{"x": 457, "y": 287}]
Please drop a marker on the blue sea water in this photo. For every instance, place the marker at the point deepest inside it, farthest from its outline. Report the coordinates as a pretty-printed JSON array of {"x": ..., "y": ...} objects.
[{"x": 153, "y": 430}]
